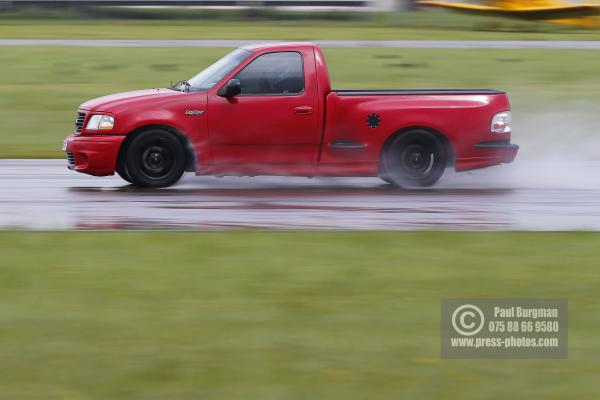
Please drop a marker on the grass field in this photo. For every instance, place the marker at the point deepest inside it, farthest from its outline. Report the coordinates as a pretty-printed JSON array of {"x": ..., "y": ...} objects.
[
  {"x": 257, "y": 315},
  {"x": 363, "y": 26},
  {"x": 272, "y": 30},
  {"x": 41, "y": 87}
]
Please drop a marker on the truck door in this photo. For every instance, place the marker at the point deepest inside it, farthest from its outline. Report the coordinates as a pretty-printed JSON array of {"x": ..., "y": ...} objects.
[{"x": 274, "y": 120}]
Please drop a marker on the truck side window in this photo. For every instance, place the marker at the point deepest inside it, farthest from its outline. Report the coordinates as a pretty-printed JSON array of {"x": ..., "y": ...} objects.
[{"x": 273, "y": 73}]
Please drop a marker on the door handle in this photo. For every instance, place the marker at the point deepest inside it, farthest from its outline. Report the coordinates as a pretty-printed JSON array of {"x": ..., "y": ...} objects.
[{"x": 303, "y": 110}]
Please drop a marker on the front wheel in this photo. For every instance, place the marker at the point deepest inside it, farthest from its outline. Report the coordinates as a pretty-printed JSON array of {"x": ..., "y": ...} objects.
[
  {"x": 122, "y": 171},
  {"x": 416, "y": 158},
  {"x": 155, "y": 158}
]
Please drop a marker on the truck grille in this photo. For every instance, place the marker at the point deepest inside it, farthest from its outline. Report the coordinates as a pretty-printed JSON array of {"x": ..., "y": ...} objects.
[
  {"x": 79, "y": 122},
  {"x": 71, "y": 158}
]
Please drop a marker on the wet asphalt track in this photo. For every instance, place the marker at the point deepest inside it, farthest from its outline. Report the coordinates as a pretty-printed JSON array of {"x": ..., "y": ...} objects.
[{"x": 43, "y": 194}]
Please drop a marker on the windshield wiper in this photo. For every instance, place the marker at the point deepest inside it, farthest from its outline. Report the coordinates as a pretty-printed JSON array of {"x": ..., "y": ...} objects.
[{"x": 186, "y": 86}]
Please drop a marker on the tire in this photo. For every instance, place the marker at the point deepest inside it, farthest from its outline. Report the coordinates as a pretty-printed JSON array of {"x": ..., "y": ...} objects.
[
  {"x": 155, "y": 158},
  {"x": 416, "y": 158},
  {"x": 122, "y": 171}
]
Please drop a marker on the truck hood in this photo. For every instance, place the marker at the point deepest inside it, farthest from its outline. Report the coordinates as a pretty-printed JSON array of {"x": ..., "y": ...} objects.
[{"x": 114, "y": 102}]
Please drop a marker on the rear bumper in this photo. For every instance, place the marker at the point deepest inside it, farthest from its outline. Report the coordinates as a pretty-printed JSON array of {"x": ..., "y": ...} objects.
[
  {"x": 93, "y": 155},
  {"x": 487, "y": 154}
]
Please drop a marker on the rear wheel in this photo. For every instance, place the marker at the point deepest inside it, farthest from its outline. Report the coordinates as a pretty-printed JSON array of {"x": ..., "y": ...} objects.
[
  {"x": 416, "y": 158},
  {"x": 155, "y": 158}
]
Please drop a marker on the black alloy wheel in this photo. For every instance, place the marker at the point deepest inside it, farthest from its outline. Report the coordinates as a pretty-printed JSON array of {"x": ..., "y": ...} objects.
[
  {"x": 416, "y": 158},
  {"x": 155, "y": 158}
]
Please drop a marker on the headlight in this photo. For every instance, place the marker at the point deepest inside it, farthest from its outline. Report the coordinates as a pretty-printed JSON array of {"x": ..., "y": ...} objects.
[
  {"x": 501, "y": 123},
  {"x": 100, "y": 123}
]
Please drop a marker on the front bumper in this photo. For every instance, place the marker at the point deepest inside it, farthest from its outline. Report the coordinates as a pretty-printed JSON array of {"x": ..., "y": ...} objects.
[
  {"x": 93, "y": 155},
  {"x": 487, "y": 154}
]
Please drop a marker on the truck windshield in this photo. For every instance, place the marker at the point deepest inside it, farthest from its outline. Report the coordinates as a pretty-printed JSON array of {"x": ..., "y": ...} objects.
[{"x": 213, "y": 74}]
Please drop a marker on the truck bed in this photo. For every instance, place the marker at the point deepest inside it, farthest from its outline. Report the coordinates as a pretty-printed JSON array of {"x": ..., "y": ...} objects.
[{"x": 406, "y": 92}]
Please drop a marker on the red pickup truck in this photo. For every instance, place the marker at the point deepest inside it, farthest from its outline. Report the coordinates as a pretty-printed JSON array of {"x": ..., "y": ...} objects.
[{"x": 269, "y": 109}]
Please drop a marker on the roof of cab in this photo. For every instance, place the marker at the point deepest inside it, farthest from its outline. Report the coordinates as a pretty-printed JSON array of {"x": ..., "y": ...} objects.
[{"x": 278, "y": 46}]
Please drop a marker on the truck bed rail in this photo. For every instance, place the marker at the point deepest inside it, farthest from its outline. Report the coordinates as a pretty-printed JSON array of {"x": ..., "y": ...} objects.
[{"x": 417, "y": 92}]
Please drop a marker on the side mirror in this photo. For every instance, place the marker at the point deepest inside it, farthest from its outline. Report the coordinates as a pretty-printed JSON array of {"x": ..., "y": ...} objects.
[{"x": 230, "y": 89}]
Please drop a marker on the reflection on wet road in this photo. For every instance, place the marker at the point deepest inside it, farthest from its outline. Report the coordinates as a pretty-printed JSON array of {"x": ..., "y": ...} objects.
[{"x": 43, "y": 194}]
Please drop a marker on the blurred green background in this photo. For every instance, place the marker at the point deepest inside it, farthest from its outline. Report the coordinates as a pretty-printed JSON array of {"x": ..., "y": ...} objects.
[
  {"x": 281, "y": 315},
  {"x": 270, "y": 23}
]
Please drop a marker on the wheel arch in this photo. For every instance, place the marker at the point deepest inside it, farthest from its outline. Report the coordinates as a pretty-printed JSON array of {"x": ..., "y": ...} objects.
[
  {"x": 190, "y": 153},
  {"x": 448, "y": 147}
]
